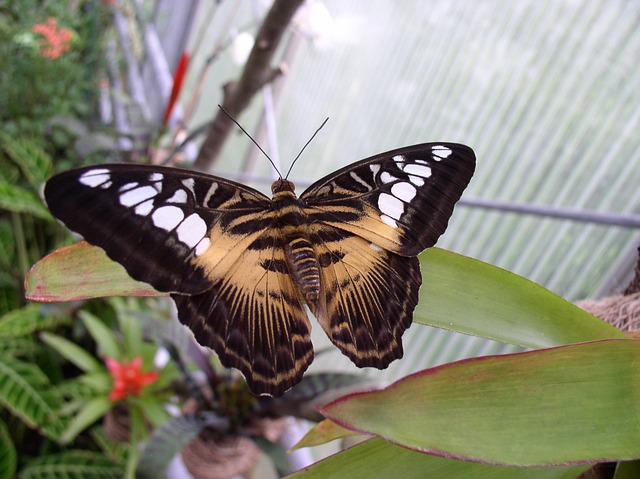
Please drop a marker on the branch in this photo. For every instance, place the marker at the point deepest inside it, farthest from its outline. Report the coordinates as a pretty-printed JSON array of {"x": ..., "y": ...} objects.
[{"x": 257, "y": 73}]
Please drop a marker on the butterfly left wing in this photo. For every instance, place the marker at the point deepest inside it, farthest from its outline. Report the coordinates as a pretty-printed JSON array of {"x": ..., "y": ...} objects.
[
  {"x": 400, "y": 200},
  {"x": 368, "y": 221},
  {"x": 367, "y": 296}
]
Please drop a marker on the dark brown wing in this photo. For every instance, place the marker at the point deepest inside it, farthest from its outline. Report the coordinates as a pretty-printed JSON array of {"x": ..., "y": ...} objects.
[
  {"x": 156, "y": 221},
  {"x": 400, "y": 200},
  {"x": 209, "y": 241},
  {"x": 369, "y": 220}
]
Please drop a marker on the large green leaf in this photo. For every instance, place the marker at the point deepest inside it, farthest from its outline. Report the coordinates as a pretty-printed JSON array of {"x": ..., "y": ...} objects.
[
  {"x": 376, "y": 458},
  {"x": 469, "y": 296},
  {"x": 564, "y": 405},
  {"x": 81, "y": 271},
  {"x": 27, "y": 393}
]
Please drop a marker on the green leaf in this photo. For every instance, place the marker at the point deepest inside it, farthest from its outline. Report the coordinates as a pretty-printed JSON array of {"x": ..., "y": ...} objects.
[
  {"x": 92, "y": 411},
  {"x": 322, "y": 433},
  {"x": 81, "y": 271},
  {"x": 565, "y": 405},
  {"x": 72, "y": 464},
  {"x": 472, "y": 297},
  {"x": 72, "y": 352},
  {"x": 20, "y": 200},
  {"x": 32, "y": 160},
  {"x": 101, "y": 334},
  {"x": 28, "y": 394},
  {"x": 26, "y": 320},
  {"x": 8, "y": 454},
  {"x": 376, "y": 458}
]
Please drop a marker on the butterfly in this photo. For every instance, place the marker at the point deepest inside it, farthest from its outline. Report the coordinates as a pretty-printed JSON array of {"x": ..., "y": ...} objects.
[{"x": 241, "y": 266}]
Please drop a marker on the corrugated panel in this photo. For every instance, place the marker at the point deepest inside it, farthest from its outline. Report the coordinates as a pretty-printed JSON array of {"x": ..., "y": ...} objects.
[{"x": 546, "y": 91}]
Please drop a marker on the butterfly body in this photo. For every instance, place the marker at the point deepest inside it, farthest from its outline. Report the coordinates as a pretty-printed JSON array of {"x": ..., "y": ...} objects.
[{"x": 240, "y": 266}]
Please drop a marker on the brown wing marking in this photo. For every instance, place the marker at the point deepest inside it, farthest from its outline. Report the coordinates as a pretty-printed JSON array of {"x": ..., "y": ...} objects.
[
  {"x": 369, "y": 296},
  {"x": 253, "y": 317}
]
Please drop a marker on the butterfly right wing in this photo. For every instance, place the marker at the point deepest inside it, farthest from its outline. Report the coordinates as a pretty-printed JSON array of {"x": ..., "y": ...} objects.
[{"x": 211, "y": 243}]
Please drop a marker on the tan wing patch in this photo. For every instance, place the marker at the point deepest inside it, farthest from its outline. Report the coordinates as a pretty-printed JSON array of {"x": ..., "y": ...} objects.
[
  {"x": 364, "y": 221},
  {"x": 253, "y": 316},
  {"x": 369, "y": 296}
]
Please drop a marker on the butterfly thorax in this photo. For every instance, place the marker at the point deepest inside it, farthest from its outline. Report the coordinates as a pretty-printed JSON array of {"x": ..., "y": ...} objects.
[{"x": 292, "y": 223}]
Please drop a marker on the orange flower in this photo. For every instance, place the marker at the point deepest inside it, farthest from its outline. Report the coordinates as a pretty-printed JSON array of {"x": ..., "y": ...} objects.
[
  {"x": 56, "y": 40},
  {"x": 128, "y": 378}
]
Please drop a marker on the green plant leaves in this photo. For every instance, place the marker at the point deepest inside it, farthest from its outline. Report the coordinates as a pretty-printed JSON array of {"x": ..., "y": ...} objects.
[
  {"x": 73, "y": 464},
  {"x": 27, "y": 393},
  {"x": 565, "y": 405},
  {"x": 472, "y": 297}
]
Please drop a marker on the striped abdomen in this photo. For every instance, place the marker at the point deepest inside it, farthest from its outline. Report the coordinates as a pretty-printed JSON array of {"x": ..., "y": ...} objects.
[
  {"x": 302, "y": 260},
  {"x": 306, "y": 269}
]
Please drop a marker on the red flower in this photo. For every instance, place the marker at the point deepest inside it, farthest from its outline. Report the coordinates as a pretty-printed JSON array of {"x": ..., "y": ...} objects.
[
  {"x": 128, "y": 378},
  {"x": 56, "y": 40}
]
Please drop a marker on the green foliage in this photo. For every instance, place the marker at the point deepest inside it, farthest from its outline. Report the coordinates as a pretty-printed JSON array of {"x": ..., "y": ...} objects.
[{"x": 74, "y": 464}]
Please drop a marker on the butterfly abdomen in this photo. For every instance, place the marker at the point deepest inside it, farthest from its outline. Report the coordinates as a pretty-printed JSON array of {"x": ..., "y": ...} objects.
[{"x": 301, "y": 256}]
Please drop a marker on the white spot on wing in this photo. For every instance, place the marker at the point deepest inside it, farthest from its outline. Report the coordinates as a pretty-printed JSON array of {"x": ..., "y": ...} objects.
[
  {"x": 416, "y": 180},
  {"x": 135, "y": 196},
  {"x": 155, "y": 177},
  {"x": 440, "y": 152},
  {"x": 179, "y": 196},
  {"x": 93, "y": 178},
  {"x": 202, "y": 246},
  {"x": 390, "y": 221},
  {"x": 418, "y": 170},
  {"x": 189, "y": 183},
  {"x": 167, "y": 217},
  {"x": 374, "y": 169},
  {"x": 390, "y": 205},
  {"x": 405, "y": 191},
  {"x": 129, "y": 186},
  {"x": 212, "y": 190},
  {"x": 386, "y": 177},
  {"x": 144, "y": 208},
  {"x": 355, "y": 176},
  {"x": 192, "y": 230},
  {"x": 398, "y": 159}
]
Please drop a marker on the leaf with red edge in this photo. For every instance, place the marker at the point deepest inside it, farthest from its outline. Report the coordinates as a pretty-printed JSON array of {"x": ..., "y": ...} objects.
[
  {"x": 81, "y": 271},
  {"x": 565, "y": 405},
  {"x": 376, "y": 458}
]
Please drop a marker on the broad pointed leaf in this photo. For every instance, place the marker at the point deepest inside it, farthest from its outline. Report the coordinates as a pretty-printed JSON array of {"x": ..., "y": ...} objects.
[
  {"x": 81, "y": 271},
  {"x": 564, "y": 405}
]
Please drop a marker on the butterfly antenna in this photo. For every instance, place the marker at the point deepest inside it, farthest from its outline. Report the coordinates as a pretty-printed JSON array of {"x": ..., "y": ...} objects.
[
  {"x": 305, "y": 145},
  {"x": 251, "y": 138}
]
